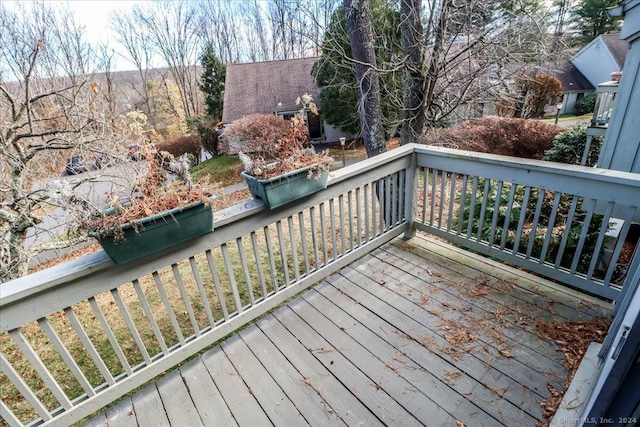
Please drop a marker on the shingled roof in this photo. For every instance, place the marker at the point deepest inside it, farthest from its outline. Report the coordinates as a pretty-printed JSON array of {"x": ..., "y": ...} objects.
[
  {"x": 617, "y": 47},
  {"x": 266, "y": 87},
  {"x": 571, "y": 78}
]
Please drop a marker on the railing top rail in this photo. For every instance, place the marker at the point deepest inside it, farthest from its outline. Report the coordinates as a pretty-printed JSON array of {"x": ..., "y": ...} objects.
[{"x": 440, "y": 154}]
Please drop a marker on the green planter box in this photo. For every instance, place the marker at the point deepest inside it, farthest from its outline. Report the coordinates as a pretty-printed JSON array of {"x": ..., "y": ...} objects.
[
  {"x": 158, "y": 232},
  {"x": 283, "y": 189}
]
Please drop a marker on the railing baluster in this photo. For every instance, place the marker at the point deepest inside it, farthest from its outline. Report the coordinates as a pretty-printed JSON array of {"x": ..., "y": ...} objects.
[
  {"x": 433, "y": 198},
  {"x": 365, "y": 209},
  {"x": 618, "y": 248},
  {"x": 294, "y": 249},
  {"x": 463, "y": 201},
  {"x": 5, "y": 412},
  {"x": 507, "y": 216},
  {"x": 358, "y": 219},
  {"x": 110, "y": 336},
  {"x": 496, "y": 212},
  {"x": 393, "y": 189},
  {"x": 203, "y": 294},
  {"x": 40, "y": 368},
  {"x": 245, "y": 271},
  {"x": 150, "y": 317},
  {"x": 583, "y": 234},
  {"x": 523, "y": 216},
  {"x": 232, "y": 278},
  {"x": 341, "y": 217},
  {"x": 350, "y": 219},
  {"x": 387, "y": 206},
  {"x": 374, "y": 198},
  {"x": 402, "y": 214},
  {"x": 550, "y": 226},
  {"x": 303, "y": 242},
  {"x": 88, "y": 346},
  {"x": 131, "y": 326},
  {"x": 185, "y": 299},
  {"x": 483, "y": 208},
  {"x": 567, "y": 231},
  {"x": 24, "y": 389},
  {"x": 216, "y": 283},
  {"x": 256, "y": 255},
  {"x": 451, "y": 200},
  {"x": 66, "y": 356},
  {"x": 425, "y": 200},
  {"x": 167, "y": 306},
  {"x": 283, "y": 254},
  {"x": 323, "y": 235},
  {"x": 443, "y": 197},
  {"x": 534, "y": 224},
  {"x": 332, "y": 223},
  {"x": 314, "y": 239},
  {"x": 604, "y": 227},
  {"x": 472, "y": 207}
]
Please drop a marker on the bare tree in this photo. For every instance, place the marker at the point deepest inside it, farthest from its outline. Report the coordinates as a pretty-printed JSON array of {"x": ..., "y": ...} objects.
[
  {"x": 173, "y": 28},
  {"x": 220, "y": 27},
  {"x": 138, "y": 45},
  {"x": 360, "y": 31},
  {"x": 50, "y": 107}
]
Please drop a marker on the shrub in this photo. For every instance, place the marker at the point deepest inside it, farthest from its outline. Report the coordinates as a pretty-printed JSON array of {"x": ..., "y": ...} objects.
[
  {"x": 498, "y": 135},
  {"x": 569, "y": 146},
  {"x": 256, "y": 133},
  {"x": 586, "y": 105},
  {"x": 186, "y": 144},
  {"x": 207, "y": 129},
  {"x": 540, "y": 91}
]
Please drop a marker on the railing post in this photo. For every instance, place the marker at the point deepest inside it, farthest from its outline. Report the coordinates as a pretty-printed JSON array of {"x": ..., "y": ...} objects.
[{"x": 410, "y": 196}]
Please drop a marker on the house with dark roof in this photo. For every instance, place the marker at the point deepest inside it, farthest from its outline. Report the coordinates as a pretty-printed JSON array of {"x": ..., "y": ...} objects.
[
  {"x": 590, "y": 66},
  {"x": 272, "y": 87}
]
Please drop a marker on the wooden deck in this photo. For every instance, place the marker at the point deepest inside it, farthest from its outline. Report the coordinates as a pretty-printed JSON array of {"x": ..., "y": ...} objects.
[{"x": 415, "y": 333}]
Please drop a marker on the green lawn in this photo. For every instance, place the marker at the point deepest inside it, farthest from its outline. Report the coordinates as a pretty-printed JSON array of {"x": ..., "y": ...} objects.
[{"x": 220, "y": 170}]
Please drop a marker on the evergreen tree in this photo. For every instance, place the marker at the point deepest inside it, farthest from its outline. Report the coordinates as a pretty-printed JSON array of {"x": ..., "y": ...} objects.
[
  {"x": 212, "y": 82},
  {"x": 590, "y": 19},
  {"x": 336, "y": 77}
]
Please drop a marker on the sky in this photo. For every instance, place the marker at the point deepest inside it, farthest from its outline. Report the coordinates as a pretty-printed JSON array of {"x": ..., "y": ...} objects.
[{"x": 95, "y": 14}]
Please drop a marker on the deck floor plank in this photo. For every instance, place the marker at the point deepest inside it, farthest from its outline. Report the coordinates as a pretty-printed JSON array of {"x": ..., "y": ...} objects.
[
  {"x": 585, "y": 306},
  {"x": 149, "y": 409},
  {"x": 336, "y": 398},
  {"x": 274, "y": 402},
  {"x": 177, "y": 401},
  {"x": 426, "y": 332},
  {"x": 404, "y": 386},
  {"x": 211, "y": 406},
  {"x": 420, "y": 357},
  {"x": 242, "y": 403},
  {"x": 377, "y": 400},
  {"x": 413, "y": 333},
  {"x": 288, "y": 378},
  {"x": 506, "y": 325},
  {"x": 122, "y": 414},
  {"x": 447, "y": 321},
  {"x": 427, "y": 390}
]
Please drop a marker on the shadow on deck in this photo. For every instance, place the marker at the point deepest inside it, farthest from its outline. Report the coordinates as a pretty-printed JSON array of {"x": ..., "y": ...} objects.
[{"x": 415, "y": 332}]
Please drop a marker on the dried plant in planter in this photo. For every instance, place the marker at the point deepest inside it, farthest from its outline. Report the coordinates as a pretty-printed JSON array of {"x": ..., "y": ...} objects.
[
  {"x": 276, "y": 146},
  {"x": 154, "y": 194}
]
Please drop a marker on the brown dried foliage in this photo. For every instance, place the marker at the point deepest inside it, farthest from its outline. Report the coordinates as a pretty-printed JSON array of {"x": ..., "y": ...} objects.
[
  {"x": 573, "y": 339},
  {"x": 186, "y": 144},
  {"x": 498, "y": 135},
  {"x": 154, "y": 195},
  {"x": 277, "y": 146}
]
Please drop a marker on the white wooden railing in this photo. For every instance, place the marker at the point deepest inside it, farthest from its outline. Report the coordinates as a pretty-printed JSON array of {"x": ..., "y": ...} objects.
[{"x": 80, "y": 335}]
